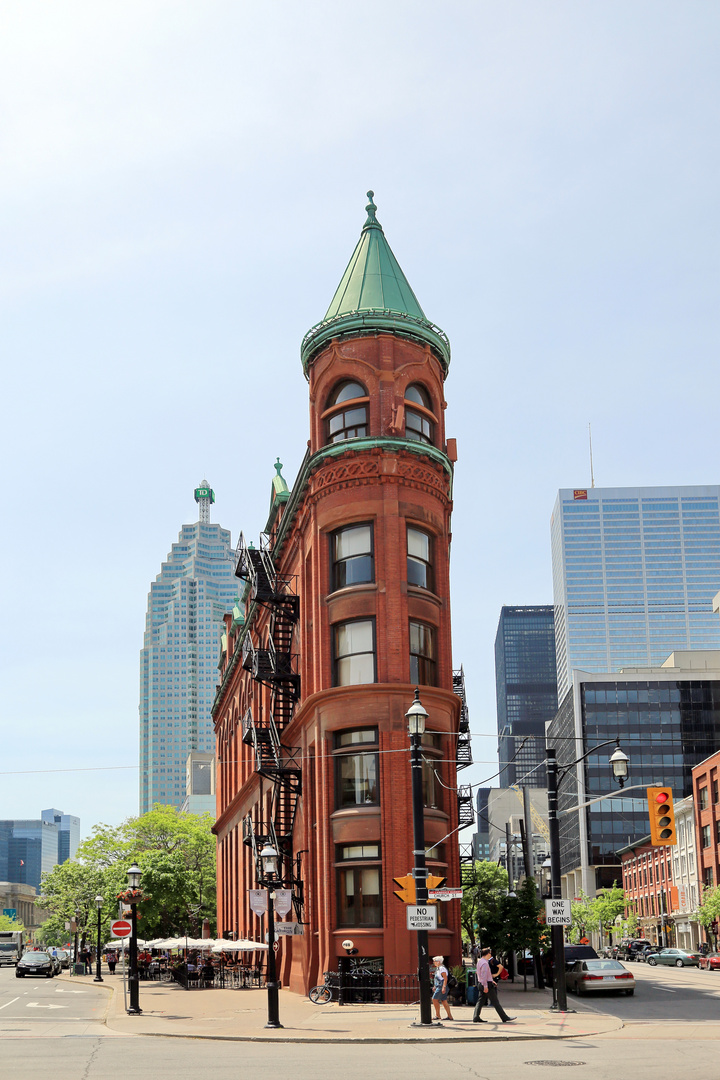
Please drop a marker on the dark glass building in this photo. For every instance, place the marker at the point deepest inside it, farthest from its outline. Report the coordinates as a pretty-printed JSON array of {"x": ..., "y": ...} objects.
[
  {"x": 526, "y": 689},
  {"x": 668, "y": 720}
]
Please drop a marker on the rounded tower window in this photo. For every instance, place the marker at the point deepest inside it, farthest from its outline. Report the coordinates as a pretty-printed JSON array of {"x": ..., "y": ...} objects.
[
  {"x": 346, "y": 413},
  {"x": 419, "y": 422}
]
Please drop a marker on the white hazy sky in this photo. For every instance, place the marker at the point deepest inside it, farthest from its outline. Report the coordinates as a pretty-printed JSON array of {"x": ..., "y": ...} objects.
[{"x": 181, "y": 186}]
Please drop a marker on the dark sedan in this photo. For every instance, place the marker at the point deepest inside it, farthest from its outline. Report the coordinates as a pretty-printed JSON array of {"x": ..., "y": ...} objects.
[{"x": 35, "y": 963}]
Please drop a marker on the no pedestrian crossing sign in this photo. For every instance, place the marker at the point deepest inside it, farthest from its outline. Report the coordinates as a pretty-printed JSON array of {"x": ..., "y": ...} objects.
[
  {"x": 557, "y": 913},
  {"x": 421, "y": 917}
]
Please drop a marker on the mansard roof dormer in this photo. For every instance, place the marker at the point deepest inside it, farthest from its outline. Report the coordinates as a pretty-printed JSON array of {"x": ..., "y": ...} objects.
[{"x": 374, "y": 296}]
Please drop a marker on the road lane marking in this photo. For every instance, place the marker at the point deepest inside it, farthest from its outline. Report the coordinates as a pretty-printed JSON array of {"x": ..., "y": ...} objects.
[
  {"x": 666, "y": 989},
  {"x": 9, "y": 1003},
  {"x": 59, "y": 991},
  {"x": 37, "y": 1005}
]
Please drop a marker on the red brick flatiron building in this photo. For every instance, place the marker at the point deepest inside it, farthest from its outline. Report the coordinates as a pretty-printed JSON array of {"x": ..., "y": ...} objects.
[{"x": 345, "y": 610}]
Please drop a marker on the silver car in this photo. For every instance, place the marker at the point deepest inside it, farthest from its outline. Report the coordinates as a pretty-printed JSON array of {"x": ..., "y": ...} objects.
[{"x": 587, "y": 976}]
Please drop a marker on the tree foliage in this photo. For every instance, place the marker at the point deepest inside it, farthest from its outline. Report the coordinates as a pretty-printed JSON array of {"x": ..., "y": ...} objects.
[
  {"x": 176, "y": 853},
  {"x": 709, "y": 908},
  {"x": 8, "y": 923},
  {"x": 480, "y": 909}
]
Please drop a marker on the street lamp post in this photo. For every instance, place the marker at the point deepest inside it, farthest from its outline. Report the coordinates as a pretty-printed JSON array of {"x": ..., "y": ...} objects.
[
  {"x": 134, "y": 875},
  {"x": 270, "y": 879},
  {"x": 619, "y": 763},
  {"x": 98, "y": 904},
  {"x": 416, "y": 717}
]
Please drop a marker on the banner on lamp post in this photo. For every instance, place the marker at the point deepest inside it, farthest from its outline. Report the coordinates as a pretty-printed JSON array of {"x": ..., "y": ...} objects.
[
  {"x": 258, "y": 901},
  {"x": 283, "y": 901}
]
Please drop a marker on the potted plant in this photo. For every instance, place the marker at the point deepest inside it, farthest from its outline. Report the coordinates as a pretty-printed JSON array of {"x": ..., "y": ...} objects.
[{"x": 457, "y": 992}]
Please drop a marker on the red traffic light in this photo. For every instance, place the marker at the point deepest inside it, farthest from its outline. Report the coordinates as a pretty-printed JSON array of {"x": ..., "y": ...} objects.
[{"x": 662, "y": 797}]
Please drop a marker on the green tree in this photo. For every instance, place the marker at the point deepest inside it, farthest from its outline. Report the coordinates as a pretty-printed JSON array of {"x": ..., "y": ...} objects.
[
  {"x": 709, "y": 907},
  {"x": 584, "y": 918},
  {"x": 176, "y": 853},
  {"x": 522, "y": 930},
  {"x": 607, "y": 905},
  {"x": 481, "y": 903},
  {"x": 8, "y": 923}
]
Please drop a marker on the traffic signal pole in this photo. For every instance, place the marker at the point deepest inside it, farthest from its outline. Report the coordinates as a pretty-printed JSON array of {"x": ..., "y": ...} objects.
[
  {"x": 557, "y": 932},
  {"x": 420, "y": 875}
]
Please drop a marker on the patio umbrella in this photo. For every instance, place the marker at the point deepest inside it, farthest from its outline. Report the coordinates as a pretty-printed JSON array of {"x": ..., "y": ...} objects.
[{"x": 243, "y": 945}]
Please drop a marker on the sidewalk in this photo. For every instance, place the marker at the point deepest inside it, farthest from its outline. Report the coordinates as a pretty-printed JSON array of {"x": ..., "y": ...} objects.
[{"x": 240, "y": 1015}]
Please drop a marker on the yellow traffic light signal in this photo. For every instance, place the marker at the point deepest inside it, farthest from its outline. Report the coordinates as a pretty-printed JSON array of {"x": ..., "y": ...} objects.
[
  {"x": 407, "y": 893},
  {"x": 662, "y": 816},
  {"x": 434, "y": 883}
]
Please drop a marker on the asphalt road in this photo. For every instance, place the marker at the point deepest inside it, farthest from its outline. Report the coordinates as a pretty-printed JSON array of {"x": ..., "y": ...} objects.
[
  {"x": 51, "y": 1028},
  {"x": 662, "y": 993}
]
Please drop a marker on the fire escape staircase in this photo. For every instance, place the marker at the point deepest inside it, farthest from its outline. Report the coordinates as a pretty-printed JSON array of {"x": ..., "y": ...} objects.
[
  {"x": 463, "y": 758},
  {"x": 274, "y": 665}
]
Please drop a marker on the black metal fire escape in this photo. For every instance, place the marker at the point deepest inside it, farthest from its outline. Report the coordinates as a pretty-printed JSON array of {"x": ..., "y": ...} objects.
[
  {"x": 273, "y": 664},
  {"x": 463, "y": 758}
]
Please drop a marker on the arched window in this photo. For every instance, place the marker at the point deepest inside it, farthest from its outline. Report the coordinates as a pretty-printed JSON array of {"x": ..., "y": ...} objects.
[
  {"x": 346, "y": 413},
  {"x": 419, "y": 423}
]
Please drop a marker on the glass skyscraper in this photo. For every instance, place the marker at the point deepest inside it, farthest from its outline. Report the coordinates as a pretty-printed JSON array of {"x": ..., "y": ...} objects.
[
  {"x": 526, "y": 691},
  {"x": 178, "y": 662},
  {"x": 31, "y": 848},
  {"x": 635, "y": 571},
  {"x": 667, "y": 720}
]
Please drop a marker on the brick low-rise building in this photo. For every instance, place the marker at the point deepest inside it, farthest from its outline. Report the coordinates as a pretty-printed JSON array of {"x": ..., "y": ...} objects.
[
  {"x": 648, "y": 885},
  {"x": 346, "y": 609},
  {"x": 706, "y": 794}
]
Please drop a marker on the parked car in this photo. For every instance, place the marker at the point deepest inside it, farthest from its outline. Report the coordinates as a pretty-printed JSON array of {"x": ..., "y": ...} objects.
[
  {"x": 710, "y": 961},
  {"x": 64, "y": 957},
  {"x": 629, "y": 949},
  {"x": 578, "y": 952},
  {"x": 587, "y": 976},
  {"x": 35, "y": 963},
  {"x": 674, "y": 957},
  {"x": 643, "y": 954}
]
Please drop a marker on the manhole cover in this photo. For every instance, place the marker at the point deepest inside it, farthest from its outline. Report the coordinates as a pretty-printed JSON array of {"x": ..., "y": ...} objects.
[{"x": 555, "y": 1064}]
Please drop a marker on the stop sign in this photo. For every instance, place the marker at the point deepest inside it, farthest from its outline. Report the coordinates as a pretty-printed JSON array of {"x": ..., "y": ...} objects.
[{"x": 121, "y": 928}]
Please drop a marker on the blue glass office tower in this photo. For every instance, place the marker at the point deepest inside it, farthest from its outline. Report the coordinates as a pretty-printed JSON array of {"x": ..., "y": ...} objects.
[
  {"x": 526, "y": 692},
  {"x": 30, "y": 848},
  {"x": 635, "y": 571},
  {"x": 178, "y": 661}
]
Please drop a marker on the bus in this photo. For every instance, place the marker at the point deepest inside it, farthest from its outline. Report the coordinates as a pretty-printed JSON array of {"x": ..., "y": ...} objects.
[{"x": 11, "y": 947}]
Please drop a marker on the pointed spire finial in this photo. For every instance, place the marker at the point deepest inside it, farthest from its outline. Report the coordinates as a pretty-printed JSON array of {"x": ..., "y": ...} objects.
[
  {"x": 371, "y": 208},
  {"x": 278, "y": 466}
]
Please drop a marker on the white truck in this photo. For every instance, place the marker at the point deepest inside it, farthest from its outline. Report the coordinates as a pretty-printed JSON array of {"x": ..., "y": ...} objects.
[{"x": 11, "y": 947}]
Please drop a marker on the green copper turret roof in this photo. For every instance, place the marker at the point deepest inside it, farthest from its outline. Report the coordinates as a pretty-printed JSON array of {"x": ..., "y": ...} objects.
[{"x": 373, "y": 295}]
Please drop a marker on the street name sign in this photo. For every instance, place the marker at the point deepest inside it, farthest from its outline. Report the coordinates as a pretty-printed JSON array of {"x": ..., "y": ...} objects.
[
  {"x": 288, "y": 929},
  {"x": 557, "y": 913},
  {"x": 121, "y": 928},
  {"x": 445, "y": 894},
  {"x": 421, "y": 917}
]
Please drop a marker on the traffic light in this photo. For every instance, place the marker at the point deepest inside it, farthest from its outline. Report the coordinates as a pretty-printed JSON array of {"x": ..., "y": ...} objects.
[
  {"x": 662, "y": 816},
  {"x": 406, "y": 892}
]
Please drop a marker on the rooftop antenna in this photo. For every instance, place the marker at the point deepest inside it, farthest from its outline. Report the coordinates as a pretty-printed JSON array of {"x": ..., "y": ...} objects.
[{"x": 592, "y": 474}]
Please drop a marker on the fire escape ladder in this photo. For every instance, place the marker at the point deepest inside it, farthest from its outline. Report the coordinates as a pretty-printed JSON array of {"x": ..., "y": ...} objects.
[
  {"x": 463, "y": 756},
  {"x": 467, "y": 866},
  {"x": 466, "y": 813},
  {"x": 274, "y": 665}
]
